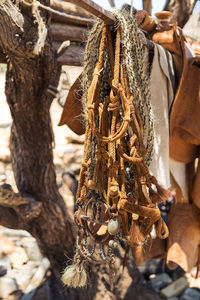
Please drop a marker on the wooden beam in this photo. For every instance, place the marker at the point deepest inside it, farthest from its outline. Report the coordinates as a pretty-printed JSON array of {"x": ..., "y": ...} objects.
[
  {"x": 70, "y": 8},
  {"x": 69, "y": 19},
  {"x": 112, "y": 3},
  {"x": 103, "y": 14},
  {"x": 3, "y": 59},
  {"x": 95, "y": 9},
  {"x": 71, "y": 14},
  {"x": 62, "y": 32},
  {"x": 147, "y": 5},
  {"x": 72, "y": 56}
]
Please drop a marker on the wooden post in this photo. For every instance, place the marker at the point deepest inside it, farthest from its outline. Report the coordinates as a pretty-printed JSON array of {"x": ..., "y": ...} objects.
[
  {"x": 103, "y": 14},
  {"x": 112, "y": 3},
  {"x": 147, "y": 5},
  {"x": 95, "y": 9}
]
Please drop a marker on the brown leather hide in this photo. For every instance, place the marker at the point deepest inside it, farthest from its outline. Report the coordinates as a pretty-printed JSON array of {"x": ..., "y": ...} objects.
[
  {"x": 145, "y": 252},
  {"x": 147, "y": 23},
  {"x": 184, "y": 236},
  {"x": 195, "y": 186},
  {"x": 194, "y": 45},
  {"x": 72, "y": 114},
  {"x": 170, "y": 39},
  {"x": 185, "y": 112}
]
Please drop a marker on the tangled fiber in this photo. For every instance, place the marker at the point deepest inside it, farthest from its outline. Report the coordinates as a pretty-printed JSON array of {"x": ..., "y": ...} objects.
[
  {"x": 134, "y": 57},
  {"x": 117, "y": 196}
]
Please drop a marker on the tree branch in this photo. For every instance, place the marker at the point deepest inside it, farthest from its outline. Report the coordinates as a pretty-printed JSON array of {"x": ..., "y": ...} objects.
[
  {"x": 3, "y": 59},
  {"x": 112, "y": 3},
  {"x": 62, "y": 32},
  {"x": 76, "y": 15},
  {"x": 70, "y": 8},
  {"x": 72, "y": 55},
  {"x": 95, "y": 9},
  {"x": 27, "y": 207},
  {"x": 38, "y": 208},
  {"x": 12, "y": 31},
  {"x": 9, "y": 218},
  {"x": 147, "y": 5},
  {"x": 181, "y": 9}
]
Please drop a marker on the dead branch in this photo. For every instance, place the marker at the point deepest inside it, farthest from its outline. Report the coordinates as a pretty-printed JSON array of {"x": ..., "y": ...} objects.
[
  {"x": 74, "y": 15},
  {"x": 61, "y": 48},
  {"x": 72, "y": 55},
  {"x": 70, "y": 8},
  {"x": 27, "y": 207},
  {"x": 61, "y": 32},
  {"x": 38, "y": 208},
  {"x": 181, "y": 9},
  {"x": 112, "y": 3},
  {"x": 95, "y": 9},
  {"x": 72, "y": 20},
  {"x": 147, "y": 5},
  {"x": 9, "y": 218},
  {"x": 3, "y": 59}
]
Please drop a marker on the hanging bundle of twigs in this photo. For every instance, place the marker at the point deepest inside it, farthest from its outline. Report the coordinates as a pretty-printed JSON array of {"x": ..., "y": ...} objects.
[{"x": 117, "y": 196}]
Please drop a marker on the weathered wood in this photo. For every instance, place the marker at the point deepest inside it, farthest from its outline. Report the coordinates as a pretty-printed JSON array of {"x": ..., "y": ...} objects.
[
  {"x": 3, "y": 59},
  {"x": 27, "y": 80},
  {"x": 112, "y": 3},
  {"x": 70, "y": 8},
  {"x": 27, "y": 207},
  {"x": 72, "y": 55},
  {"x": 147, "y": 5},
  {"x": 10, "y": 199},
  {"x": 95, "y": 9},
  {"x": 61, "y": 32},
  {"x": 73, "y": 14},
  {"x": 72, "y": 20},
  {"x": 181, "y": 9}
]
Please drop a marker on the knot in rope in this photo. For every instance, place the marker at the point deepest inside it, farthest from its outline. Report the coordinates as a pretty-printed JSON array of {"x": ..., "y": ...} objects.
[{"x": 114, "y": 173}]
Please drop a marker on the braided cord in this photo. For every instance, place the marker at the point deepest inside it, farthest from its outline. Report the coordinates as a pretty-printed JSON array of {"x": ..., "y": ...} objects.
[
  {"x": 139, "y": 82},
  {"x": 91, "y": 56}
]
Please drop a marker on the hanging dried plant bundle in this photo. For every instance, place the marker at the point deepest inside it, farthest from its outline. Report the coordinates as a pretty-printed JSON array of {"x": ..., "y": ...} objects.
[{"x": 117, "y": 196}]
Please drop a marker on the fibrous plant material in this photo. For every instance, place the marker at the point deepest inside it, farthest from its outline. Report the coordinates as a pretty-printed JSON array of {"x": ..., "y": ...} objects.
[
  {"x": 117, "y": 196},
  {"x": 42, "y": 29}
]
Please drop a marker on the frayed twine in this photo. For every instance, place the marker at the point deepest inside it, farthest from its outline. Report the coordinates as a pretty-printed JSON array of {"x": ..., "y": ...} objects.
[
  {"x": 42, "y": 30},
  {"x": 158, "y": 196},
  {"x": 74, "y": 276}
]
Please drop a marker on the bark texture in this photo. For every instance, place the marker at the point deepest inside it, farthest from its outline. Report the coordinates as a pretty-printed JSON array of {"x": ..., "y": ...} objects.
[
  {"x": 27, "y": 80},
  {"x": 147, "y": 5},
  {"x": 72, "y": 55},
  {"x": 61, "y": 32},
  {"x": 79, "y": 16},
  {"x": 112, "y": 3},
  {"x": 181, "y": 9}
]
